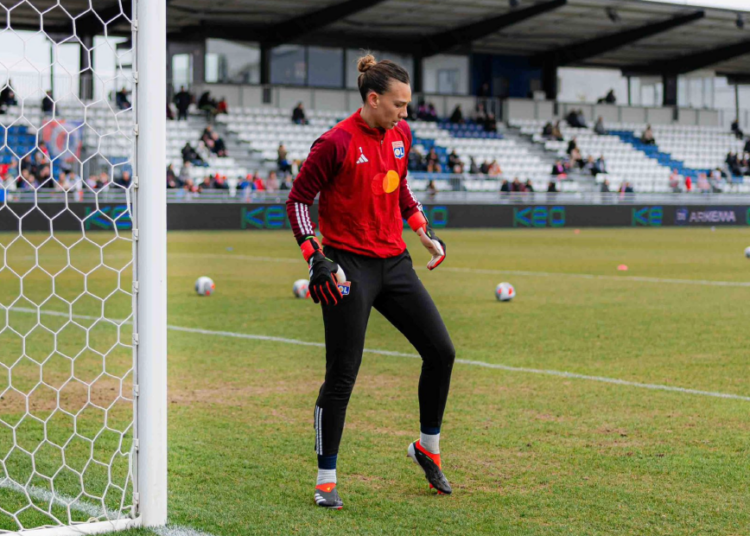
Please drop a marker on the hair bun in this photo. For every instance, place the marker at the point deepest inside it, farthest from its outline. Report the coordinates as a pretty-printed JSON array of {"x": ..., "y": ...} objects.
[{"x": 365, "y": 62}]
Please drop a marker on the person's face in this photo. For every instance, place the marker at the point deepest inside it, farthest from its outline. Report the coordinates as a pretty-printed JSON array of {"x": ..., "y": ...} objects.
[{"x": 390, "y": 107}]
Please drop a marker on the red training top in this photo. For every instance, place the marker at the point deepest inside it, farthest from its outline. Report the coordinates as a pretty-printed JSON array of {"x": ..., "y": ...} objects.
[{"x": 360, "y": 173}]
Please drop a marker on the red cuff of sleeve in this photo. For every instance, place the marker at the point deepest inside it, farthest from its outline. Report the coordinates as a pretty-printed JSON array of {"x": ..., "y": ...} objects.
[
  {"x": 417, "y": 221},
  {"x": 309, "y": 247}
]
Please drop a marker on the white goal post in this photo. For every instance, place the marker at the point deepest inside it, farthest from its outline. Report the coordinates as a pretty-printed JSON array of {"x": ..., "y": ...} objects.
[{"x": 83, "y": 267}]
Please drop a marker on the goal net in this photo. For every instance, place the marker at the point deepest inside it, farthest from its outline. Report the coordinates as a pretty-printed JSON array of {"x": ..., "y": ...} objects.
[{"x": 71, "y": 268}]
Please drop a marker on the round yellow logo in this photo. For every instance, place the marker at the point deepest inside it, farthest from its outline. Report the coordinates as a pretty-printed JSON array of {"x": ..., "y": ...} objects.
[{"x": 391, "y": 181}]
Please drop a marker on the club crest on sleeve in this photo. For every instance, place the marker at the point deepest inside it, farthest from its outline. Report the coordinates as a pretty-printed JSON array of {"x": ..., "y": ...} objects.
[
  {"x": 345, "y": 288},
  {"x": 398, "y": 149}
]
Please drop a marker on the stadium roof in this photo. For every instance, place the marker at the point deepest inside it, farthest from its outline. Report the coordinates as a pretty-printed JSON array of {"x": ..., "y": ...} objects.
[{"x": 636, "y": 36}]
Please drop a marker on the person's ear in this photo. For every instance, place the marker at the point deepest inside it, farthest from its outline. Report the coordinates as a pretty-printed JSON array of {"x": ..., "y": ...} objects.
[{"x": 373, "y": 99}]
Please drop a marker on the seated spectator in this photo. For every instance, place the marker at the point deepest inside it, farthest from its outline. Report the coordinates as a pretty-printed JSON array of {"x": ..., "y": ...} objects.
[
  {"x": 185, "y": 174},
  {"x": 172, "y": 180},
  {"x": 604, "y": 188},
  {"x": 191, "y": 155},
  {"x": 48, "y": 103},
  {"x": 590, "y": 165},
  {"x": 485, "y": 167},
  {"x": 433, "y": 162},
  {"x": 220, "y": 182},
  {"x": 494, "y": 169},
  {"x": 431, "y": 189},
  {"x": 552, "y": 187},
  {"x": 572, "y": 144},
  {"x": 298, "y": 115},
  {"x": 431, "y": 112},
  {"x": 516, "y": 186},
  {"x": 556, "y": 132},
  {"x": 688, "y": 184},
  {"x": 601, "y": 165},
  {"x": 528, "y": 187},
  {"x": 207, "y": 133},
  {"x": 124, "y": 179},
  {"x": 286, "y": 183},
  {"x": 422, "y": 114},
  {"x": 207, "y": 104},
  {"x": 121, "y": 99},
  {"x": 219, "y": 148},
  {"x": 272, "y": 182},
  {"x": 259, "y": 184},
  {"x": 457, "y": 117},
  {"x": 505, "y": 187},
  {"x": 454, "y": 161},
  {"x": 599, "y": 127},
  {"x": 481, "y": 114},
  {"x": 572, "y": 119},
  {"x": 717, "y": 181},
  {"x": 626, "y": 188},
  {"x": 416, "y": 160},
  {"x": 703, "y": 185},
  {"x": 558, "y": 170},
  {"x": 281, "y": 160},
  {"x": 182, "y": 100},
  {"x": 7, "y": 97},
  {"x": 674, "y": 181},
  {"x": 733, "y": 164},
  {"x": 547, "y": 130},
  {"x": 473, "y": 168},
  {"x": 490, "y": 125},
  {"x": 222, "y": 107},
  {"x": 609, "y": 98},
  {"x": 736, "y": 129},
  {"x": 191, "y": 187},
  {"x": 647, "y": 137}
]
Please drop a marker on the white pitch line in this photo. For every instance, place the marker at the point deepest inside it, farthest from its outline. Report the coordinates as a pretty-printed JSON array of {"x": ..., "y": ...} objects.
[
  {"x": 525, "y": 273},
  {"x": 497, "y": 366}
]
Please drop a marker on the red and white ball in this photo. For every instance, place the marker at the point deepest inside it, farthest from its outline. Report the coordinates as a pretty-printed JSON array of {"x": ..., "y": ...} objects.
[
  {"x": 505, "y": 292},
  {"x": 301, "y": 289},
  {"x": 204, "y": 286}
]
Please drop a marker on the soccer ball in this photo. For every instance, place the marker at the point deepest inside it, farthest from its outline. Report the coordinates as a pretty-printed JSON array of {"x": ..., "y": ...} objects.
[
  {"x": 747, "y": 253},
  {"x": 505, "y": 292},
  {"x": 301, "y": 289},
  {"x": 205, "y": 286}
]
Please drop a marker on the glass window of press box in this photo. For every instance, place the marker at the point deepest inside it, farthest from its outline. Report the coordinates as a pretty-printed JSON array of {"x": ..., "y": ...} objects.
[{"x": 228, "y": 62}]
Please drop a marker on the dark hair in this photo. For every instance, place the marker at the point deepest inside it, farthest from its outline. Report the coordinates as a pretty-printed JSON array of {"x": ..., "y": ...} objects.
[{"x": 376, "y": 75}]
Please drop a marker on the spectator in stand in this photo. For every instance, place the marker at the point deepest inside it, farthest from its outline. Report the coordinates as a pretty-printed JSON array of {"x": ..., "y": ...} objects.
[
  {"x": 490, "y": 125},
  {"x": 517, "y": 185},
  {"x": 609, "y": 98},
  {"x": 416, "y": 160},
  {"x": 182, "y": 100},
  {"x": 431, "y": 112},
  {"x": 626, "y": 188},
  {"x": 92, "y": 182},
  {"x": 552, "y": 187},
  {"x": 7, "y": 96},
  {"x": 604, "y": 187},
  {"x": 172, "y": 180},
  {"x": 170, "y": 114},
  {"x": 455, "y": 161},
  {"x": 219, "y": 148},
  {"x": 736, "y": 129},
  {"x": 457, "y": 117},
  {"x": 259, "y": 184},
  {"x": 733, "y": 164},
  {"x": 558, "y": 170},
  {"x": 431, "y": 189},
  {"x": 688, "y": 184},
  {"x": 547, "y": 130},
  {"x": 674, "y": 181},
  {"x": 575, "y": 154},
  {"x": 27, "y": 181},
  {"x": 647, "y": 137},
  {"x": 528, "y": 187},
  {"x": 121, "y": 99},
  {"x": 191, "y": 187},
  {"x": 43, "y": 149},
  {"x": 717, "y": 181},
  {"x": 191, "y": 155},
  {"x": 572, "y": 119},
  {"x": 185, "y": 174},
  {"x": 601, "y": 165},
  {"x": 473, "y": 168},
  {"x": 207, "y": 133},
  {"x": 599, "y": 127},
  {"x": 494, "y": 169},
  {"x": 556, "y": 132},
  {"x": 504, "y": 187},
  {"x": 433, "y": 162},
  {"x": 48, "y": 103},
  {"x": 208, "y": 105},
  {"x": 104, "y": 180},
  {"x": 747, "y": 147},
  {"x": 222, "y": 107},
  {"x": 481, "y": 114},
  {"x": 124, "y": 179},
  {"x": 422, "y": 110},
  {"x": 281, "y": 160},
  {"x": 272, "y": 182},
  {"x": 286, "y": 183},
  {"x": 590, "y": 166},
  {"x": 298, "y": 115},
  {"x": 703, "y": 185}
]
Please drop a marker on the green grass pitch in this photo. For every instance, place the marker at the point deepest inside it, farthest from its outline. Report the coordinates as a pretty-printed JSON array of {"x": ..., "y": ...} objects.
[{"x": 527, "y": 454}]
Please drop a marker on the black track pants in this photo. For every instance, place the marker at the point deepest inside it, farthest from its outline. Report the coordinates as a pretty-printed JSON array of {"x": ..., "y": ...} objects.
[{"x": 393, "y": 288}]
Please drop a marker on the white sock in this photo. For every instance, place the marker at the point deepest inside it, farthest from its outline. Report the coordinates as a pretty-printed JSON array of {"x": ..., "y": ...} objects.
[
  {"x": 326, "y": 476},
  {"x": 431, "y": 443}
]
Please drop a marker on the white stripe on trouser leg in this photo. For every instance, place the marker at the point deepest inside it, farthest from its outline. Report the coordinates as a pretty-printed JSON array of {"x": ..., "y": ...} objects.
[{"x": 317, "y": 409}]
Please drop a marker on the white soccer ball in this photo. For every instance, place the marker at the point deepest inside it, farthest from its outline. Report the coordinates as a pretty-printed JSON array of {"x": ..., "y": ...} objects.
[
  {"x": 747, "y": 253},
  {"x": 204, "y": 286},
  {"x": 505, "y": 292},
  {"x": 301, "y": 288}
]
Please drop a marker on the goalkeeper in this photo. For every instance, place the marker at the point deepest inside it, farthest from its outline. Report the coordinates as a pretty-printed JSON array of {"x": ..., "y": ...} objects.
[{"x": 359, "y": 170}]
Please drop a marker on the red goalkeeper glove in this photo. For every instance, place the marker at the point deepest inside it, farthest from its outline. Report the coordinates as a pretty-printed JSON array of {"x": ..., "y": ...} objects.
[
  {"x": 324, "y": 273},
  {"x": 433, "y": 244}
]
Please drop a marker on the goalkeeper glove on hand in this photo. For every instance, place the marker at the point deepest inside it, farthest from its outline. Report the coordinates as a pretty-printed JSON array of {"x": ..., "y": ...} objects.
[
  {"x": 429, "y": 239},
  {"x": 324, "y": 273}
]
